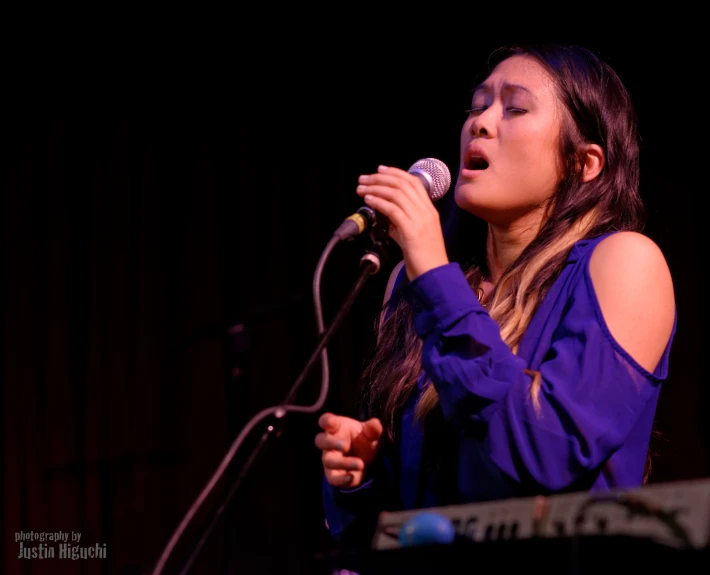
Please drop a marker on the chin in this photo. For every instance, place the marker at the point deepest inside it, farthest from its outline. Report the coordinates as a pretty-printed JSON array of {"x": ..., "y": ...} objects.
[
  {"x": 484, "y": 206},
  {"x": 468, "y": 199}
]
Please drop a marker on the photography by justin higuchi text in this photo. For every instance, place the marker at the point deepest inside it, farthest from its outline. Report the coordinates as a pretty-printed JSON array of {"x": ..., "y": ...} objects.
[{"x": 57, "y": 545}]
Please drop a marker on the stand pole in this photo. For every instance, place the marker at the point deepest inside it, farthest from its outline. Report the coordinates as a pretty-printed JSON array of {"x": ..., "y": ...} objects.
[{"x": 369, "y": 264}]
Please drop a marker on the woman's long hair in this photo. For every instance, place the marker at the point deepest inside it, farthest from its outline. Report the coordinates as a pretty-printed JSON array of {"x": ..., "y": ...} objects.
[{"x": 598, "y": 110}]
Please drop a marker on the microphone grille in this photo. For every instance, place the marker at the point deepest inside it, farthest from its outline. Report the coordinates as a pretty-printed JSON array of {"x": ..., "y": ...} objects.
[{"x": 438, "y": 173}]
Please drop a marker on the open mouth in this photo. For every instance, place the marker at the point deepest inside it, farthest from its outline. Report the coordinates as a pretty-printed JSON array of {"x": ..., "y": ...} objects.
[{"x": 476, "y": 163}]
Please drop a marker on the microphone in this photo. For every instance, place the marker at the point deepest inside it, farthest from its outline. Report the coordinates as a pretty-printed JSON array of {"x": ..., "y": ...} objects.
[{"x": 434, "y": 176}]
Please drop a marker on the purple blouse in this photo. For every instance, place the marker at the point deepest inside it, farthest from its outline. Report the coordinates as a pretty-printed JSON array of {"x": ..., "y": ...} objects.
[{"x": 590, "y": 429}]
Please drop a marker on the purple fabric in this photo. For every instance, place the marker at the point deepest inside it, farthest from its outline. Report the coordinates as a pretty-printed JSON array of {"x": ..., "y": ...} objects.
[{"x": 596, "y": 404}]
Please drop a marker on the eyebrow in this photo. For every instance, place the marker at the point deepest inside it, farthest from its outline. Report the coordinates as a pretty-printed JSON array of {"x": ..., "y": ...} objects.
[{"x": 507, "y": 87}]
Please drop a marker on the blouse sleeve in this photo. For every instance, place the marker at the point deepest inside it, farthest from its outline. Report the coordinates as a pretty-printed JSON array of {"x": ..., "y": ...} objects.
[{"x": 592, "y": 392}]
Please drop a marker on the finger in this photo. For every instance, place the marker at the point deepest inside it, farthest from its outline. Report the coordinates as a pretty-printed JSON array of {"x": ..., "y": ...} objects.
[
  {"x": 402, "y": 194},
  {"x": 372, "y": 429},
  {"x": 381, "y": 190},
  {"x": 396, "y": 214},
  {"x": 327, "y": 441},
  {"x": 329, "y": 422},
  {"x": 336, "y": 460},
  {"x": 339, "y": 478},
  {"x": 393, "y": 170},
  {"x": 391, "y": 186},
  {"x": 390, "y": 177},
  {"x": 413, "y": 183}
]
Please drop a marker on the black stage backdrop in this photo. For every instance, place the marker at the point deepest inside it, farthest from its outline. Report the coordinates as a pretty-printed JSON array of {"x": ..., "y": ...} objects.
[{"x": 155, "y": 199}]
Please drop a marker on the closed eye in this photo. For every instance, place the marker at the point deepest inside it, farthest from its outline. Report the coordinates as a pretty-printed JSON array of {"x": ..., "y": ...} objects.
[{"x": 509, "y": 110}]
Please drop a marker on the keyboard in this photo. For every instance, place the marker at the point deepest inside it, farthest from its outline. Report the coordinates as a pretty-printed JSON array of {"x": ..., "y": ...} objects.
[{"x": 675, "y": 515}]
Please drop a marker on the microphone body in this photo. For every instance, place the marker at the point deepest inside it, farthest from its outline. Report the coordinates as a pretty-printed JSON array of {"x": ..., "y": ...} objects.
[{"x": 434, "y": 176}]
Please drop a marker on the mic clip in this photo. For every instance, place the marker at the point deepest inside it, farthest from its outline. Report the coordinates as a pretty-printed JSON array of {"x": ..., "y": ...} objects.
[
  {"x": 364, "y": 219},
  {"x": 381, "y": 244},
  {"x": 377, "y": 226}
]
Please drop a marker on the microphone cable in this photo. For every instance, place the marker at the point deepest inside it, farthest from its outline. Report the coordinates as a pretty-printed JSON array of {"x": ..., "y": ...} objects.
[{"x": 368, "y": 267}]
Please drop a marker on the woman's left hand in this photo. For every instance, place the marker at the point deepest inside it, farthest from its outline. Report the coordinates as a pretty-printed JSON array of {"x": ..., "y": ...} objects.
[{"x": 414, "y": 221}]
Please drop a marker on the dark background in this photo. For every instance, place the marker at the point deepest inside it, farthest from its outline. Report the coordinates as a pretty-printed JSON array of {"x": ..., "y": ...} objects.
[{"x": 159, "y": 189}]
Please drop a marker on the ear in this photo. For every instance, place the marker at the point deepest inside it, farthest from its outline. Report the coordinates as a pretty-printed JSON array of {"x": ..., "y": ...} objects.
[{"x": 593, "y": 162}]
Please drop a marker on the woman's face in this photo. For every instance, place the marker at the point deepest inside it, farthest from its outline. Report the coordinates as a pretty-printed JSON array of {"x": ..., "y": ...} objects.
[{"x": 510, "y": 143}]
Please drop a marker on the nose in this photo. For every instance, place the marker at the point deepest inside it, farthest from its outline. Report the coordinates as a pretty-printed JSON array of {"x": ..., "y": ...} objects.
[{"x": 482, "y": 124}]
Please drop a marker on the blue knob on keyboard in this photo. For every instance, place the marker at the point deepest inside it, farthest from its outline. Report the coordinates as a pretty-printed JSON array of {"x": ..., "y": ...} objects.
[{"x": 426, "y": 528}]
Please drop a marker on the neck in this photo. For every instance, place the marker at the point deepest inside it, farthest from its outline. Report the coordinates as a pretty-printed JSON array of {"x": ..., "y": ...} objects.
[{"x": 504, "y": 244}]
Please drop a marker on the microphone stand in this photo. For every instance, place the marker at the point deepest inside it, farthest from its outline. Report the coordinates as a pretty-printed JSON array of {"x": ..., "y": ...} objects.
[{"x": 370, "y": 264}]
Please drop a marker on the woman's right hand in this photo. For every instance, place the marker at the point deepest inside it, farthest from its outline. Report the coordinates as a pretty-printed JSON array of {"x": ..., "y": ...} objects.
[{"x": 348, "y": 446}]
